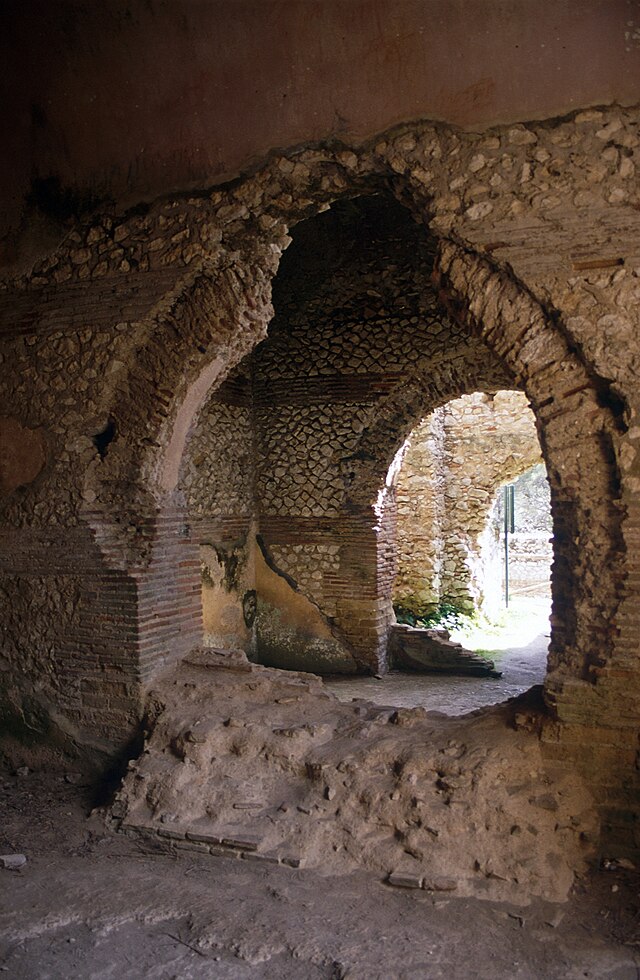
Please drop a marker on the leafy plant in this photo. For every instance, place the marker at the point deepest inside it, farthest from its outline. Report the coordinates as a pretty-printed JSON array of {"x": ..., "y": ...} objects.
[{"x": 444, "y": 616}]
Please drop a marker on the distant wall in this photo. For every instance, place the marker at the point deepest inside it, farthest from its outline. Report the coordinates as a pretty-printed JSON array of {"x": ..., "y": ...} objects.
[{"x": 452, "y": 467}]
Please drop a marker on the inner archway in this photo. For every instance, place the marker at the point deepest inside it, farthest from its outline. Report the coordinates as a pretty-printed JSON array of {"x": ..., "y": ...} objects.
[
  {"x": 453, "y": 465},
  {"x": 361, "y": 347},
  {"x": 358, "y": 333},
  {"x": 450, "y": 584}
]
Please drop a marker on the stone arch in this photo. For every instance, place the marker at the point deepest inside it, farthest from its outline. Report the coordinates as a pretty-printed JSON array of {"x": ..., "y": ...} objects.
[
  {"x": 577, "y": 432},
  {"x": 448, "y": 479},
  {"x": 461, "y": 372},
  {"x": 218, "y": 312},
  {"x": 188, "y": 349},
  {"x": 199, "y": 270}
]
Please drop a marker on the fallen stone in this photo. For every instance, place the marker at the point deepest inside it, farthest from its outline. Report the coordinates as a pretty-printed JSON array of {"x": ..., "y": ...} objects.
[
  {"x": 625, "y": 863},
  {"x": 404, "y": 879},
  {"x": 407, "y": 716},
  {"x": 290, "y": 861},
  {"x": 555, "y": 919},
  {"x": 74, "y": 778},
  {"x": 431, "y": 651},
  {"x": 12, "y": 861},
  {"x": 440, "y": 884}
]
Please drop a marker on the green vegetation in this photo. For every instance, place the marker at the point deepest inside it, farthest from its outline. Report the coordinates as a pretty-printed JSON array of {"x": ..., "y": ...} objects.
[{"x": 443, "y": 616}]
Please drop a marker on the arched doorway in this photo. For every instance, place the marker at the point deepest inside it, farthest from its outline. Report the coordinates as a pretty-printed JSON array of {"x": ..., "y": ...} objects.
[
  {"x": 450, "y": 586},
  {"x": 206, "y": 303}
]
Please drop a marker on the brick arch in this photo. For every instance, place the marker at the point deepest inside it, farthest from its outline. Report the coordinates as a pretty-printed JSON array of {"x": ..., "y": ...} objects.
[
  {"x": 217, "y": 319},
  {"x": 462, "y": 371},
  {"x": 197, "y": 255},
  {"x": 188, "y": 350},
  {"x": 577, "y": 433},
  {"x": 224, "y": 307}
]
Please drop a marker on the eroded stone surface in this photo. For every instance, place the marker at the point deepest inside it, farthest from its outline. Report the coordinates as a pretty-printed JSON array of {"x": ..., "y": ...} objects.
[{"x": 335, "y": 786}]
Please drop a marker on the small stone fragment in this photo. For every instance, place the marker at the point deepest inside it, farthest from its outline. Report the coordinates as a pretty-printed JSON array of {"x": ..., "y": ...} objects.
[
  {"x": 480, "y": 210},
  {"x": 74, "y": 778},
  {"x": 440, "y": 884},
  {"x": 519, "y": 136},
  {"x": 625, "y": 863},
  {"x": 555, "y": 920},
  {"x": 404, "y": 879},
  {"x": 12, "y": 861},
  {"x": 290, "y": 861}
]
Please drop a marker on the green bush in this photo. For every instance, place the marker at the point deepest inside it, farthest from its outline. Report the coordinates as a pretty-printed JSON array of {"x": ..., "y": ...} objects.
[{"x": 444, "y": 616}]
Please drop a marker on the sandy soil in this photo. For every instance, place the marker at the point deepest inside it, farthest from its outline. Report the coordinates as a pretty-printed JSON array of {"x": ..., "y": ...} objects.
[{"x": 94, "y": 905}]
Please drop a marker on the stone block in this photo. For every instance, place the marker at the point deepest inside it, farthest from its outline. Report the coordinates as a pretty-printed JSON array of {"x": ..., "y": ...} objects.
[
  {"x": 405, "y": 879},
  {"x": 203, "y": 838}
]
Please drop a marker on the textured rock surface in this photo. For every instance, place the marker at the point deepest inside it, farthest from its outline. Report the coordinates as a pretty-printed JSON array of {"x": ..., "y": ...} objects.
[
  {"x": 269, "y": 762},
  {"x": 113, "y": 341},
  {"x": 143, "y": 908},
  {"x": 452, "y": 467}
]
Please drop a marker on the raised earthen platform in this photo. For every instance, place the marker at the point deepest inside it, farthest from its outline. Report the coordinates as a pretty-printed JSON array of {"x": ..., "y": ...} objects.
[{"x": 266, "y": 764}]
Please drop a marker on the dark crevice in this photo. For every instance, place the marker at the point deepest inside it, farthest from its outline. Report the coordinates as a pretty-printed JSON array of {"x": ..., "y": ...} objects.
[
  {"x": 102, "y": 440},
  {"x": 64, "y": 205},
  {"x": 268, "y": 557},
  {"x": 609, "y": 399}
]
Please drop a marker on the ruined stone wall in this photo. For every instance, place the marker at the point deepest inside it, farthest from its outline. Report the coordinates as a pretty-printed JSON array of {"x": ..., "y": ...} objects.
[
  {"x": 420, "y": 494},
  {"x": 83, "y": 384},
  {"x": 121, "y": 332},
  {"x": 351, "y": 329},
  {"x": 452, "y": 468},
  {"x": 217, "y": 479}
]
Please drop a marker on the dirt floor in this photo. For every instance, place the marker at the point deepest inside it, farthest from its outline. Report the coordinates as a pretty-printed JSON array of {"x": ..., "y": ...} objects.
[
  {"x": 355, "y": 791},
  {"x": 94, "y": 905},
  {"x": 517, "y": 644}
]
